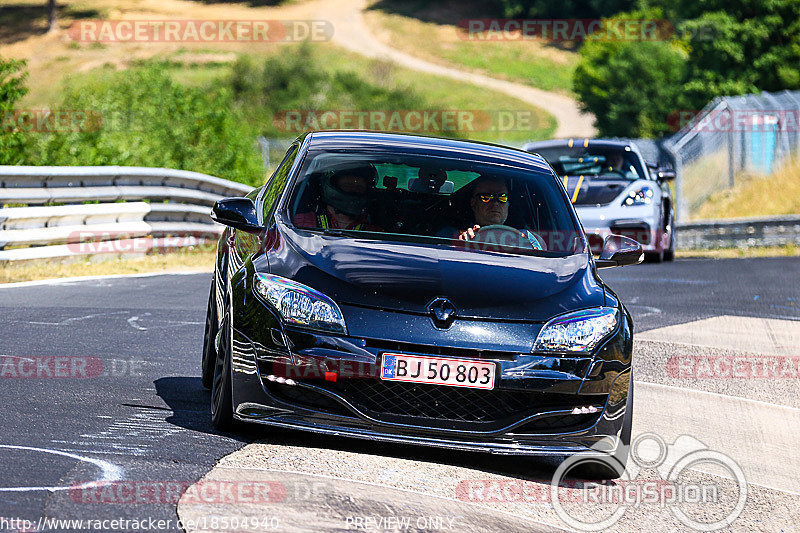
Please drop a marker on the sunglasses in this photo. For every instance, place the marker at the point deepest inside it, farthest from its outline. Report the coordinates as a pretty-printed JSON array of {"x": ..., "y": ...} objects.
[{"x": 486, "y": 198}]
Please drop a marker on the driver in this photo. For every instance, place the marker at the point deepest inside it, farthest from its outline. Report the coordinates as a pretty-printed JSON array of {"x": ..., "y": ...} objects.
[
  {"x": 343, "y": 201},
  {"x": 616, "y": 162},
  {"x": 489, "y": 203}
]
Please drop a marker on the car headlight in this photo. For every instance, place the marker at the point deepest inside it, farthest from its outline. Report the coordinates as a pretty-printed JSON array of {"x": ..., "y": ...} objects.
[
  {"x": 641, "y": 196},
  {"x": 580, "y": 331},
  {"x": 299, "y": 304}
]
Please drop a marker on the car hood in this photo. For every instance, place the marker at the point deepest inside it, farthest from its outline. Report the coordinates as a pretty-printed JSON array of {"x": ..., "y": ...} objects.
[
  {"x": 596, "y": 191},
  {"x": 405, "y": 277}
]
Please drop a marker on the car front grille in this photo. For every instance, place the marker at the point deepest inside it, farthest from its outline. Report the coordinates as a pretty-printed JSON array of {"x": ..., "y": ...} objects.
[
  {"x": 441, "y": 406},
  {"x": 436, "y": 402}
]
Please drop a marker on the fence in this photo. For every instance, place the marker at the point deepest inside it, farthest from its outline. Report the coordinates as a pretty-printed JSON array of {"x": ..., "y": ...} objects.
[
  {"x": 753, "y": 133},
  {"x": 64, "y": 211}
]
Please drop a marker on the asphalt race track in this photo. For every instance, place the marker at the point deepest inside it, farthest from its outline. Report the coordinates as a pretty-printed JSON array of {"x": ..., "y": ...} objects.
[{"x": 100, "y": 382}]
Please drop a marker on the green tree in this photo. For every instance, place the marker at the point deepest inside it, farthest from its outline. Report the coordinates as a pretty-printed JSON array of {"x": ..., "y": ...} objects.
[
  {"x": 565, "y": 8},
  {"x": 147, "y": 119},
  {"x": 631, "y": 87},
  {"x": 736, "y": 46},
  {"x": 12, "y": 89}
]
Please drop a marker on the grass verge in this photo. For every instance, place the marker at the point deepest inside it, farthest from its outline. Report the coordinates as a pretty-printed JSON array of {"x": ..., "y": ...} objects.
[
  {"x": 752, "y": 196},
  {"x": 437, "y": 39},
  {"x": 787, "y": 250},
  {"x": 183, "y": 261}
]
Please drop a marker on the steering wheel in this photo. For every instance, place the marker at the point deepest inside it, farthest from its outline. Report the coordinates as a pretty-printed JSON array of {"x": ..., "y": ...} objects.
[
  {"x": 497, "y": 237},
  {"x": 617, "y": 171}
]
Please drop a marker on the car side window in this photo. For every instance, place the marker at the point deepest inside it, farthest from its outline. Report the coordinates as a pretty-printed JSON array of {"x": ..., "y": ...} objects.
[{"x": 277, "y": 182}]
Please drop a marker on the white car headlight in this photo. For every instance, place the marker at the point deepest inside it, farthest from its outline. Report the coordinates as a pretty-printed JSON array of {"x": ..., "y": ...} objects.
[
  {"x": 641, "y": 196},
  {"x": 299, "y": 304},
  {"x": 580, "y": 331}
]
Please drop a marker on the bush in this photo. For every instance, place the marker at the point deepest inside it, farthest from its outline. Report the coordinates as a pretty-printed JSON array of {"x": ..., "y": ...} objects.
[
  {"x": 630, "y": 87},
  {"x": 149, "y": 120},
  {"x": 12, "y": 89},
  {"x": 297, "y": 81}
]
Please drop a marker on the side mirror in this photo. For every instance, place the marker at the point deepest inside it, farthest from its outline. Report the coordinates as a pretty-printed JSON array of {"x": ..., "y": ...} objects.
[
  {"x": 619, "y": 251},
  {"x": 665, "y": 174},
  {"x": 238, "y": 213}
]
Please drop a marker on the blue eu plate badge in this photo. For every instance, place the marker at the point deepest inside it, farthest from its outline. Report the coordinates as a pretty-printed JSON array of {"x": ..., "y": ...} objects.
[{"x": 388, "y": 366}]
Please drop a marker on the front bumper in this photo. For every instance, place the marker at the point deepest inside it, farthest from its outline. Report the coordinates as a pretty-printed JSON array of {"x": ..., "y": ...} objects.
[
  {"x": 329, "y": 384},
  {"x": 640, "y": 223}
]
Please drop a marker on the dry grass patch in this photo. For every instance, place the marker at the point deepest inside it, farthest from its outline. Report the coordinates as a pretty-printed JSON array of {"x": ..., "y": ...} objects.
[
  {"x": 752, "y": 196},
  {"x": 101, "y": 265},
  {"x": 788, "y": 250}
]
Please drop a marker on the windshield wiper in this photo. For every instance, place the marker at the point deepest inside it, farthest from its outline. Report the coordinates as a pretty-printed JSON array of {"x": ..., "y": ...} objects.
[{"x": 332, "y": 231}]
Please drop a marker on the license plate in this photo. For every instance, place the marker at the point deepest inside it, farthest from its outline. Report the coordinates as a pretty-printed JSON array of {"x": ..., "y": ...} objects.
[{"x": 438, "y": 371}]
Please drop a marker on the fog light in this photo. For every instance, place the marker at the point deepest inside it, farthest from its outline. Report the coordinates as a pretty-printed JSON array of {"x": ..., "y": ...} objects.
[{"x": 585, "y": 410}]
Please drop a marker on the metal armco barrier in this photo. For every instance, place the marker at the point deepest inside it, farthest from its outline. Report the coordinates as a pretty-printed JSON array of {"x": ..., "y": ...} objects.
[
  {"x": 739, "y": 232},
  {"x": 132, "y": 210},
  {"x": 142, "y": 209}
]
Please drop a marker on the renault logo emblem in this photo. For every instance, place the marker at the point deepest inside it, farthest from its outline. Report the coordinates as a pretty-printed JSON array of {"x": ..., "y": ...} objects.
[{"x": 442, "y": 312}]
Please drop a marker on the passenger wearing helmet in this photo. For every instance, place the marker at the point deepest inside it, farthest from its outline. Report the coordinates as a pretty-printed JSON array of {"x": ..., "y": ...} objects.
[{"x": 344, "y": 196}]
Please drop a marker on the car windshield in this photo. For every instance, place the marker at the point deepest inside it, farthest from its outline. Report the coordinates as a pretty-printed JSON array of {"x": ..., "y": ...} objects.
[
  {"x": 434, "y": 200},
  {"x": 610, "y": 163}
]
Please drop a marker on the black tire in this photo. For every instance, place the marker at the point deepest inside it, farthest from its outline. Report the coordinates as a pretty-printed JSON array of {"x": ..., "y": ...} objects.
[
  {"x": 222, "y": 388},
  {"x": 669, "y": 253},
  {"x": 209, "y": 341},
  {"x": 613, "y": 466},
  {"x": 654, "y": 257}
]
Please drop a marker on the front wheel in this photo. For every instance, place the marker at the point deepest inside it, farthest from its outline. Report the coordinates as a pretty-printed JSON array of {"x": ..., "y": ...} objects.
[
  {"x": 654, "y": 257},
  {"x": 669, "y": 253},
  {"x": 222, "y": 388},
  {"x": 613, "y": 466},
  {"x": 209, "y": 341}
]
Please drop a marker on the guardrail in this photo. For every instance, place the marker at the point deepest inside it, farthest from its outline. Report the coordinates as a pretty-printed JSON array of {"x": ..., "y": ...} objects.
[
  {"x": 739, "y": 232},
  {"x": 105, "y": 210},
  {"x": 137, "y": 209}
]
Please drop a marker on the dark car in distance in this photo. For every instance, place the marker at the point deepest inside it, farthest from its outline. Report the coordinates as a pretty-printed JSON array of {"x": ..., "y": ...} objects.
[{"x": 424, "y": 291}]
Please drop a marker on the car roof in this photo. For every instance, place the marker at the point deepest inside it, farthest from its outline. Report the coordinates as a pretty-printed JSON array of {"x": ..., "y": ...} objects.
[
  {"x": 577, "y": 142},
  {"x": 424, "y": 145}
]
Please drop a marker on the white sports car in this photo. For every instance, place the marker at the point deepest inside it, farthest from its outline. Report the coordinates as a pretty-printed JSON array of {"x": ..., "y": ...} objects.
[{"x": 615, "y": 192}]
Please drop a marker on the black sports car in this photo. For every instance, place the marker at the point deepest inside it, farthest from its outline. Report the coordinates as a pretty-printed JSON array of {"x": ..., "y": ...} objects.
[{"x": 419, "y": 290}]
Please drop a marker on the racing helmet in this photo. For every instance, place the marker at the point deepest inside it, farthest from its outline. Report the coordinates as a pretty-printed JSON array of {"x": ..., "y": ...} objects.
[{"x": 349, "y": 203}]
